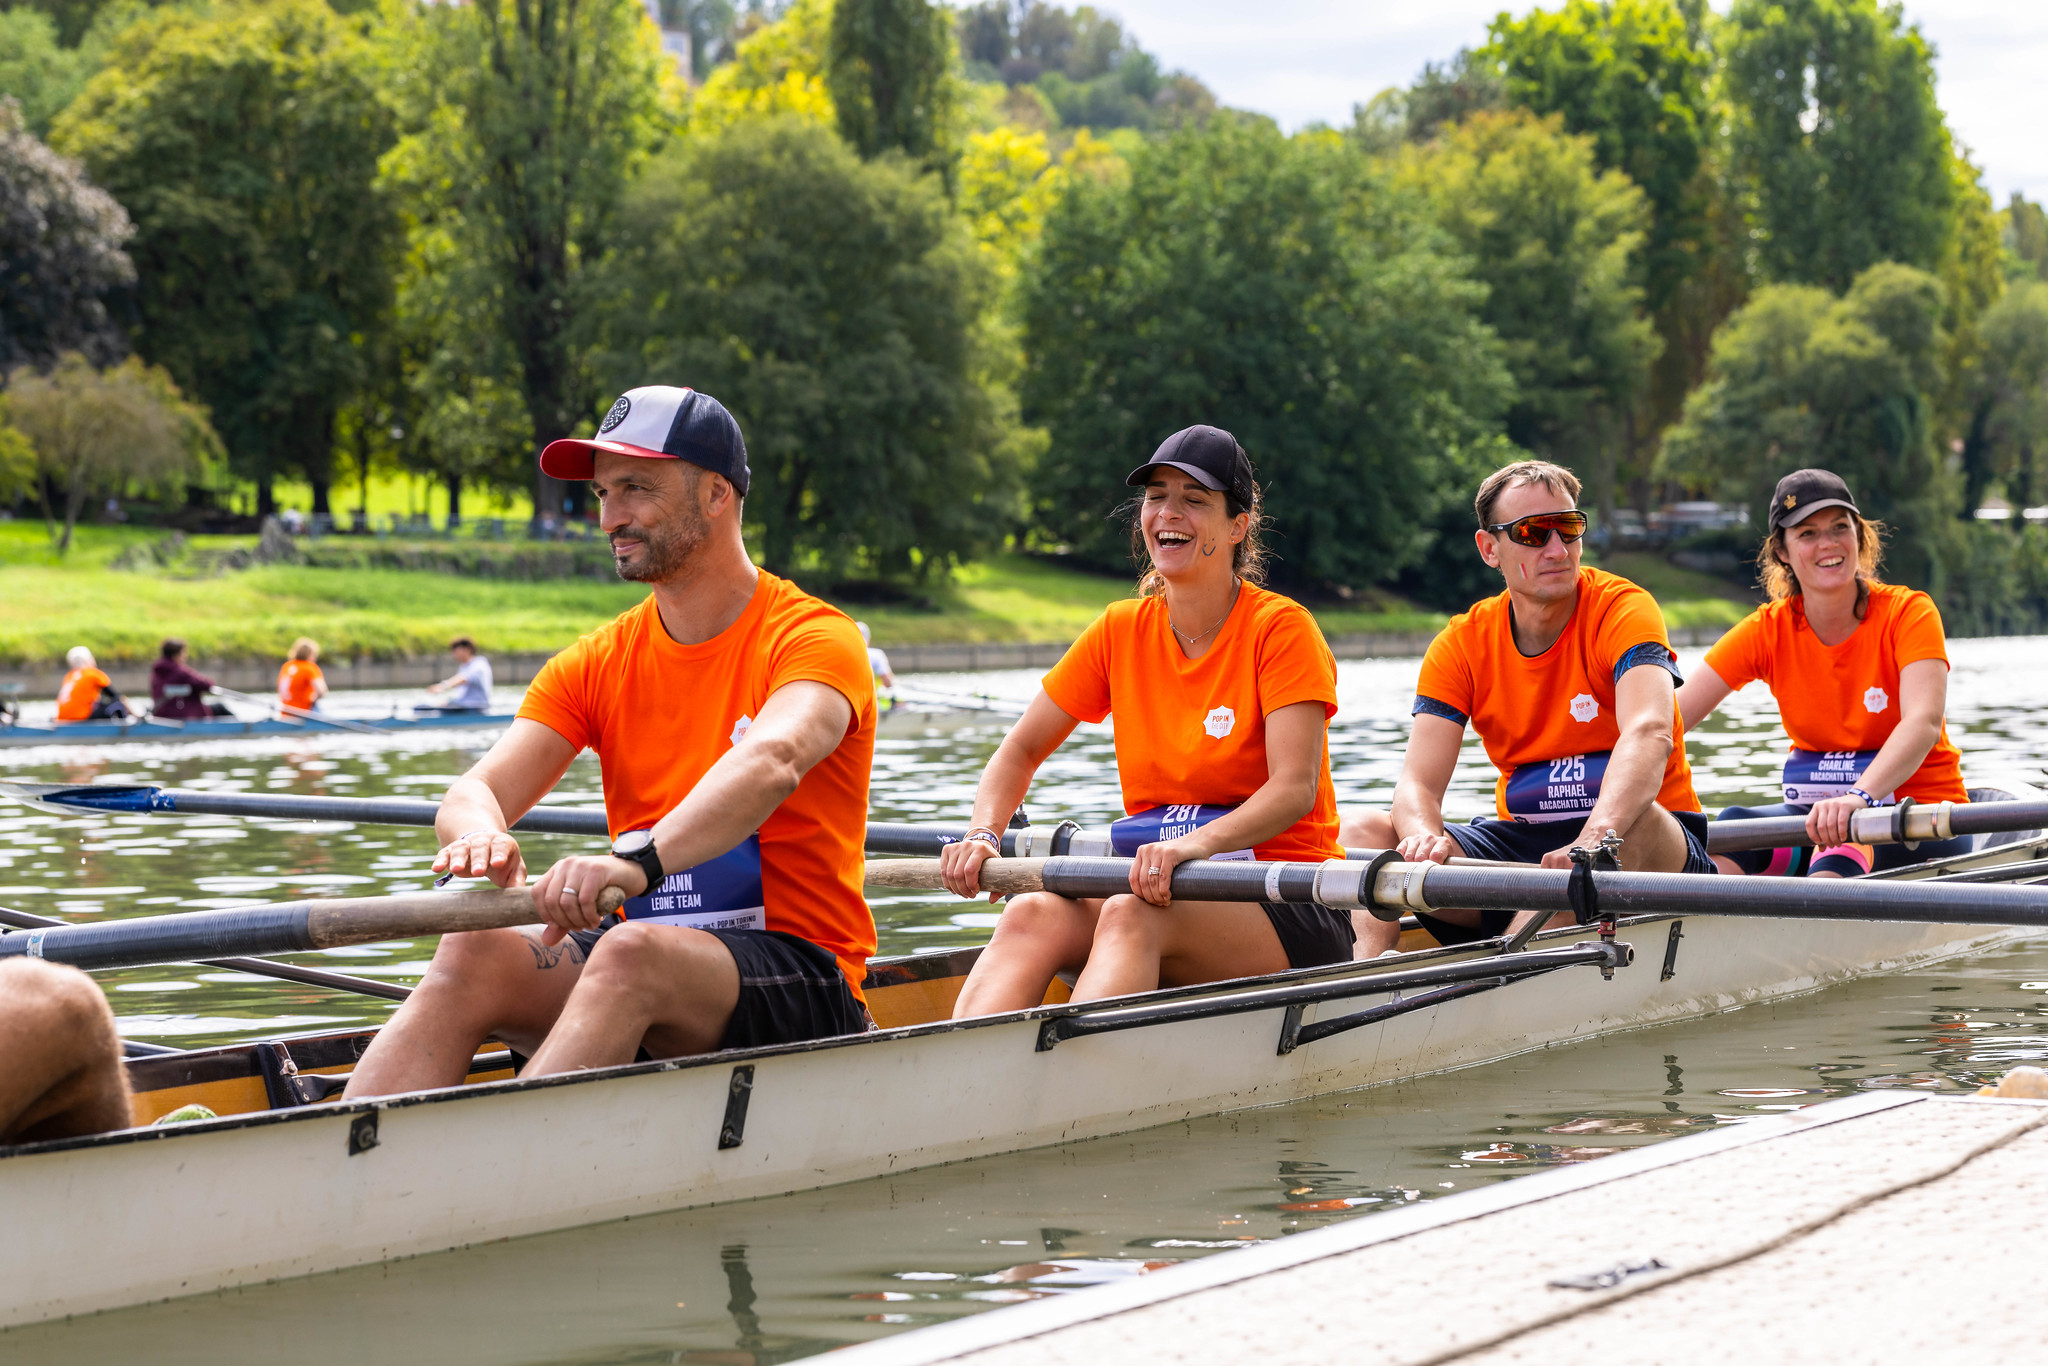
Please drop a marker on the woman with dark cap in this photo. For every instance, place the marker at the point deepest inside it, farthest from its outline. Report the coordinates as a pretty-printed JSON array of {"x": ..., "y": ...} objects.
[
  {"x": 177, "y": 692},
  {"x": 1222, "y": 693},
  {"x": 1859, "y": 668}
]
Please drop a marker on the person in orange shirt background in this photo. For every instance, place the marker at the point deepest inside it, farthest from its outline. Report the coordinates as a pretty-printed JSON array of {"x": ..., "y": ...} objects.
[
  {"x": 733, "y": 716},
  {"x": 1222, "y": 694},
  {"x": 1859, "y": 668},
  {"x": 87, "y": 694},
  {"x": 300, "y": 684},
  {"x": 1570, "y": 681}
]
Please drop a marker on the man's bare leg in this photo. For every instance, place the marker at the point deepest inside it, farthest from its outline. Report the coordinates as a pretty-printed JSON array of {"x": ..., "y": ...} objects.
[
  {"x": 1363, "y": 827},
  {"x": 672, "y": 987},
  {"x": 61, "y": 1073},
  {"x": 1039, "y": 936},
  {"x": 486, "y": 984}
]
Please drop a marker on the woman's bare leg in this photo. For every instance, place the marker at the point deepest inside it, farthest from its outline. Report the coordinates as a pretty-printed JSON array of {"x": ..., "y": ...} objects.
[
  {"x": 63, "y": 1075},
  {"x": 1142, "y": 947},
  {"x": 1039, "y": 936}
]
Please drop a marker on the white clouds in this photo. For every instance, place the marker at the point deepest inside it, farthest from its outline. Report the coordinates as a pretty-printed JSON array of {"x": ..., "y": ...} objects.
[{"x": 1304, "y": 61}]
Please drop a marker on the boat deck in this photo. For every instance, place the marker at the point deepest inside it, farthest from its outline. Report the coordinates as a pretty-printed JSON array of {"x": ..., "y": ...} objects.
[{"x": 1885, "y": 1227}]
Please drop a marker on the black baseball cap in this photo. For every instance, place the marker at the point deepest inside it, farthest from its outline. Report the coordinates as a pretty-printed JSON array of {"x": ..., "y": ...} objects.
[
  {"x": 1802, "y": 493},
  {"x": 1209, "y": 455},
  {"x": 658, "y": 422}
]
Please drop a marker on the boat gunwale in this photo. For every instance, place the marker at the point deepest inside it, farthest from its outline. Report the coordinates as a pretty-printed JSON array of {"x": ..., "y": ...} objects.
[{"x": 1362, "y": 968}]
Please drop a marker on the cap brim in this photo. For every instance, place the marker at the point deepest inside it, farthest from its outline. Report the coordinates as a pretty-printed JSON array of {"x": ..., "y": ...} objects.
[
  {"x": 1137, "y": 478},
  {"x": 1801, "y": 514},
  {"x": 575, "y": 458}
]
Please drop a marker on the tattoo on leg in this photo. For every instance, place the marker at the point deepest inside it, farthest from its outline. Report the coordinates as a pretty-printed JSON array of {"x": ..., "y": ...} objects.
[{"x": 546, "y": 956}]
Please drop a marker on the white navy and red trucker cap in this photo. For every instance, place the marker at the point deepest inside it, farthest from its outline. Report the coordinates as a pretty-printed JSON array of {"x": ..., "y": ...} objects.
[{"x": 658, "y": 422}]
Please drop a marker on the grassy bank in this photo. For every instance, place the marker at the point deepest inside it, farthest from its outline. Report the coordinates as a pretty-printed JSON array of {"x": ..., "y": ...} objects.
[{"x": 47, "y": 606}]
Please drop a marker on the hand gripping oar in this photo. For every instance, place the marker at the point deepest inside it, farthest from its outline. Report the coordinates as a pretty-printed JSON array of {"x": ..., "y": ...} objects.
[
  {"x": 283, "y": 972},
  {"x": 145, "y": 800},
  {"x": 1387, "y": 887},
  {"x": 1906, "y": 823},
  {"x": 288, "y": 927},
  {"x": 301, "y": 713}
]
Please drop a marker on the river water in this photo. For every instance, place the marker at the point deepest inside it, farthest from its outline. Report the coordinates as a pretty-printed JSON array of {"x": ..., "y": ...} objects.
[{"x": 780, "y": 1279}]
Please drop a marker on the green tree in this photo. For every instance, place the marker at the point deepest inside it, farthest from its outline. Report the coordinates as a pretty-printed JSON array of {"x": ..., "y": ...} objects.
[
  {"x": 836, "y": 307},
  {"x": 61, "y": 238},
  {"x": 1799, "y": 378},
  {"x": 1278, "y": 288},
  {"x": 1837, "y": 138},
  {"x": 526, "y": 122},
  {"x": 889, "y": 69},
  {"x": 2009, "y": 409},
  {"x": 36, "y": 70},
  {"x": 96, "y": 430},
  {"x": 1440, "y": 97},
  {"x": 2023, "y": 229},
  {"x": 244, "y": 144},
  {"x": 70, "y": 19},
  {"x": 1551, "y": 237}
]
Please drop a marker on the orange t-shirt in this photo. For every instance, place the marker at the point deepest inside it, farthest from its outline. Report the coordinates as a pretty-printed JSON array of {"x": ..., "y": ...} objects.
[
  {"x": 1557, "y": 705},
  {"x": 1192, "y": 732},
  {"x": 77, "y": 693},
  {"x": 1845, "y": 698},
  {"x": 660, "y": 714},
  {"x": 295, "y": 683}
]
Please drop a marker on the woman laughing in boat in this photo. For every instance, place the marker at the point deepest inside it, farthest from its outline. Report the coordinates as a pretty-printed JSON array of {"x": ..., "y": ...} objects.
[
  {"x": 1860, "y": 672},
  {"x": 1222, "y": 693}
]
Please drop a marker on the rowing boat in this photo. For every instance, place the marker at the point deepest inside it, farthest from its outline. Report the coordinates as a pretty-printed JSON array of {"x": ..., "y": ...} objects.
[
  {"x": 283, "y": 1184},
  {"x": 157, "y": 732}
]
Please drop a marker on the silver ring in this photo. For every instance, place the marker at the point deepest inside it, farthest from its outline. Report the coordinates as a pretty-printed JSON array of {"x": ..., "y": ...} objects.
[
  {"x": 1153, "y": 871},
  {"x": 568, "y": 891}
]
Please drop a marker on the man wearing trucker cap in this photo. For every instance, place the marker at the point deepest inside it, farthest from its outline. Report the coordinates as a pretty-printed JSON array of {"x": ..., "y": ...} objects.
[{"x": 733, "y": 716}]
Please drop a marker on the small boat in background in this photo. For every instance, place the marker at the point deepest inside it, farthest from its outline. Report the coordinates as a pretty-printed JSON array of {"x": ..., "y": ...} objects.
[{"x": 149, "y": 730}]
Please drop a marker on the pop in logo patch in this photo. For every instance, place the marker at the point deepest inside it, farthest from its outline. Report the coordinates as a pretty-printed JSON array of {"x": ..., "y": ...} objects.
[
  {"x": 616, "y": 415},
  {"x": 1874, "y": 700},
  {"x": 1220, "y": 722},
  {"x": 739, "y": 729},
  {"x": 1584, "y": 708}
]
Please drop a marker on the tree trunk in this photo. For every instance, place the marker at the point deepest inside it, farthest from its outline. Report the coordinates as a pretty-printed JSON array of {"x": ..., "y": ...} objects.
[
  {"x": 266, "y": 496},
  {"x": 74, "y": 500},
  {"x": 454, "y": 501},
  {"x": 321, "y": 484}
]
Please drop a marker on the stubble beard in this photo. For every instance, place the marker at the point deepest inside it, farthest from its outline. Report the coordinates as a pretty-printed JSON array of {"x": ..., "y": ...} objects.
[{"x": 666, "y": 547}]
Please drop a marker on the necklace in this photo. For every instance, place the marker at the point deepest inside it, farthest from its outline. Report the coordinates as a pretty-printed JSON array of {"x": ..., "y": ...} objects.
[{"x": 1235, "y": 584}]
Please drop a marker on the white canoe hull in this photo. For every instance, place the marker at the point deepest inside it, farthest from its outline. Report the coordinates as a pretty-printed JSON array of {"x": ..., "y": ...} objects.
[{"x": 145, "y": 1215}]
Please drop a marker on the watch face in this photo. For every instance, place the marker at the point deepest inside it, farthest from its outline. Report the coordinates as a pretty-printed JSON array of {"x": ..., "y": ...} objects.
[{"x": 632, "y": 842}]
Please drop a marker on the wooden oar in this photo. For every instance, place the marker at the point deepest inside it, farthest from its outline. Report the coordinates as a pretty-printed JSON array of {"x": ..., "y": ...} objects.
[
  {"x": 288, "y": 927},
  {"x": 146, "y": 800},
  {"x": 300, "y": 713},
  {"x": 283, "y": 972},
  {"x": 1387, "y": 888}
]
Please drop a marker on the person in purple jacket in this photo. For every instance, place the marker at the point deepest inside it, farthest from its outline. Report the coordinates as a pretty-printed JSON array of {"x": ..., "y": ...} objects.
[{"x": 176, "y": 692}]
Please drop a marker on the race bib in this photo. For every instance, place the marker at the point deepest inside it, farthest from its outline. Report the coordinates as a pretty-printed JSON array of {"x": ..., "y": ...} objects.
[
  {"x": 1814, "y": 775},
  {"x": 723, "y": 893},
  {"x": 1556, "y": 789},
  {"x": 1163, "y": 823}
]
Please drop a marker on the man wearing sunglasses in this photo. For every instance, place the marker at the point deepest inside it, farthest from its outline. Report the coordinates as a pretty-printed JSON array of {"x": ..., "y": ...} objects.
[{"x": 1571, "y": 683}]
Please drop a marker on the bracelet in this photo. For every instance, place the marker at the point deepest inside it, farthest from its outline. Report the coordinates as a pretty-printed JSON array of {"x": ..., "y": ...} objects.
[
  {"x": 986, "y": 836},
  {"x": 1868, "y": 800}
]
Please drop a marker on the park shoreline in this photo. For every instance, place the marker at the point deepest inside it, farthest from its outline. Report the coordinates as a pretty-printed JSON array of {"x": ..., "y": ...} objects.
[{"x": 517, "y": 667}]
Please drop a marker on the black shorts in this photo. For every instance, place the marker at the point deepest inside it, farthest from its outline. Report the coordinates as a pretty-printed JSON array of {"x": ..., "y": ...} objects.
[
  {"x": 1312, "y": 935},
  {"x": 1528, "y": 842},
  {"x": 790, "y": 989}
]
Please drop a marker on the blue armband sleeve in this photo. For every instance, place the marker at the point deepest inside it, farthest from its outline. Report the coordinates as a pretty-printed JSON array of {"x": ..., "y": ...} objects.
[
  {"x": 1649, "y": 652},
  {"x": 1431, "y": 707}
]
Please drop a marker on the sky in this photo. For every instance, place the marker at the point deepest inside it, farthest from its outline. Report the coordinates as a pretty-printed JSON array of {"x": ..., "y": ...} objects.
[{"x": 1304, "y": 61}]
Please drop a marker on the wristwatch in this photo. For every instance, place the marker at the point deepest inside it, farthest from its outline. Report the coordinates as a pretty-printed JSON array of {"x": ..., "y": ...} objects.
[{"x": 637, "y": 847}]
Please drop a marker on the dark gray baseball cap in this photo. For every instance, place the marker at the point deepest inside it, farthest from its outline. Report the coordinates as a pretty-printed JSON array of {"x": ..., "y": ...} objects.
[{"x": 1210, "y": 456}]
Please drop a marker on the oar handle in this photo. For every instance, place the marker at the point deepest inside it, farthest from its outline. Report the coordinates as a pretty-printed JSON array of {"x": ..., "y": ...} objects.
[
  {"x": 1006, "y": 876},
  {"x": 336, "y": 922}
]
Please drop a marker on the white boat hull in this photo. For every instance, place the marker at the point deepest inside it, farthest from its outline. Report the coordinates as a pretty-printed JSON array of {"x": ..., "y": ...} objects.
[{"x": 145, "y": 1215}]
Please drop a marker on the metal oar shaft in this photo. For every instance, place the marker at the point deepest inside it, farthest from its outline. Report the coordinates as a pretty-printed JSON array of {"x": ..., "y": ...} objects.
[
  {"x": 1900, "y": 824},
  {"x": 1387, "y": 889},
  {"x": 178, "y": 801},
  {"x": 283, "y": 972},
  {"x": 289, "y": 927}
]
